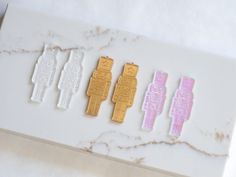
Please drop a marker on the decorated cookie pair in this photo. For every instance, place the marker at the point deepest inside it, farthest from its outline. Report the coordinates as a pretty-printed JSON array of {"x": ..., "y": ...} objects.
[
  {"x": 154, "y": 101},
  {"x": 44, "y": 74},
  {"x": 124, "y": 90}
]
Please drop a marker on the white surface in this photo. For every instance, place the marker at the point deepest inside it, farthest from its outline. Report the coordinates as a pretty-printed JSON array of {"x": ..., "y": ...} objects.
[{"x": 220, "y": 45}]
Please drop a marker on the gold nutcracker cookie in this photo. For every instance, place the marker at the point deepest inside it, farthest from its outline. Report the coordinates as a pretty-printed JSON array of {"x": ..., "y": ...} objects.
[
  {"x": 124, "y": 92},
  {"x": 99, "y": 85}
]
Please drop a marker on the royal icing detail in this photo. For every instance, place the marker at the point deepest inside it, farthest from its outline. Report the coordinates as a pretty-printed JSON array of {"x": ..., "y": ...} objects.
[
  {"x": 181, "y": 106},
  {"x": 154, "y": 100},
  {"x": 70, "y": 78},
  {"x": 124, "y": 92},
  {"x": 44, "y": 72},
  {"x": 99, "y": 85}
]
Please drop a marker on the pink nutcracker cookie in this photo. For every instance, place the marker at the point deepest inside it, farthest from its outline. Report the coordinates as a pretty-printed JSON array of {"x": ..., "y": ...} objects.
[
  {"x": 154, "y": 100},
  {"x": 181, "y": 106}
]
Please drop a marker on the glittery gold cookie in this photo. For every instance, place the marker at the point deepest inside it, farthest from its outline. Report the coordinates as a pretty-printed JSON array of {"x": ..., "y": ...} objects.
[
  {"x": 124, "y": 92},
  {"x": 99, "y": 85}
]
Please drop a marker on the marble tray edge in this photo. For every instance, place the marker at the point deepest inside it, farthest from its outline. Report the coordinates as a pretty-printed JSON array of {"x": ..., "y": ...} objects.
[{"x": 80, "y": 150}]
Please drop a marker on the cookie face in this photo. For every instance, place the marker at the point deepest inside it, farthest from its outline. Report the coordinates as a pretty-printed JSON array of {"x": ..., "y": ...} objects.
[
  {"x": 105, "y": 63},
  {"x": 130, "y": 70}
]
